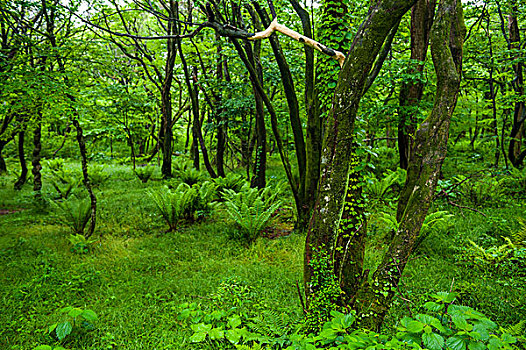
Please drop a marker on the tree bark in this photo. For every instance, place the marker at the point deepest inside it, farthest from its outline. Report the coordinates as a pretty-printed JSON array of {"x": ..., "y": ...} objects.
[
  {"x": 37, "y": 166},
  {"x": 23, "y": 165},
  {"x": 338, "y": 221},
  {"x": 422, "y": 15},
  {"x": 515, "y": 153},
  {"x": 427, "y": 156}
]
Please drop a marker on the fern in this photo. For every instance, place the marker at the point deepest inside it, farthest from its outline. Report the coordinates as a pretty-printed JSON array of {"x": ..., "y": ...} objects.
[
  {"x": 518, "y": 329},
  {"x": 231, "y": 181},
  {"x": 183, "y": 202},
  {"x": 251, "y": 210},
  {"x": 173, "y": 205},
  {"x": 378, "y": 188},
  {"x": 519, "y": 238},
  {"x": 144, "y": 173},
  {"x": 190, "y": 176},
  {"x": 97, "y": 175},
  {"x": 75, "y": 215}
]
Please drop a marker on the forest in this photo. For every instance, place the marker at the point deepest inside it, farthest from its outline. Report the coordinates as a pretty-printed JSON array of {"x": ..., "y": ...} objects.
[{"x": 262, "y": 174}]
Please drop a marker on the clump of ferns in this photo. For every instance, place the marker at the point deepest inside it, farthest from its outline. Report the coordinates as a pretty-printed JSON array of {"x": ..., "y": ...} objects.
[
  {"x": 184, "y": 202},
  {"x": 251, "y": 210}
]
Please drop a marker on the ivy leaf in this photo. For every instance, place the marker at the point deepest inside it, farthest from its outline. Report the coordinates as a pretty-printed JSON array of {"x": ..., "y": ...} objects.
[
  {"x": 456, "y": 343},
  {"x": 433, "y": 341},
  {"x": 63, "y": 329}
]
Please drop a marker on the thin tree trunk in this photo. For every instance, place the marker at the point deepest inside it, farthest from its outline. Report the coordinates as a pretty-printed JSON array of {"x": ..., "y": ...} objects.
[
  {"x": 515, "y": 153},
  {"x": 37, "y": 166},
  {"x": 23, "y": 165}
]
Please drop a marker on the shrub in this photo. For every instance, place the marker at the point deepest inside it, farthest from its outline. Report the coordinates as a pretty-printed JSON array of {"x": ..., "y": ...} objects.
[
  {"x": 74, "y": 318},
  {"x": 75, "y": 214},
  {"x": 97, "y": 175},
  {"x": 144, "y": 173},
  {"x": 183, "y": 202},
  {"x": 251, "y": 210},
  {"x": 231, "y": 181}
]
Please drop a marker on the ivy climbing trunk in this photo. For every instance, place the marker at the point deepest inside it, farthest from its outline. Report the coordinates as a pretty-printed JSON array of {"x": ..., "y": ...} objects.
[{"x": 338, "y": 224}]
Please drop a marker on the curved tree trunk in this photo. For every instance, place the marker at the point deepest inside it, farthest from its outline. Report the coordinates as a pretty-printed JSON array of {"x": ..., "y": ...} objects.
[{"x": 373, "y": 300}]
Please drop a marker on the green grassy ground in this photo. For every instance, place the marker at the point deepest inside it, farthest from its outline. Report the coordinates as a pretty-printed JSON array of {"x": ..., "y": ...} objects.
[{"x": 137, "y": 275}]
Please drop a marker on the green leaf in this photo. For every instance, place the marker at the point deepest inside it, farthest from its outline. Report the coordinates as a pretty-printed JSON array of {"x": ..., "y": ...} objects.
[
  {"x": 233, "y": 336},
  {"x": 475, "y": 345},
  {"x": 43, "y": 347},
  {"x": 216, "y": 334},
  {"x": 433, "y": 341},
  {"x": 63, "y": 329},
  {"x": 234, "y": 321},
  {"x": 415, "y": 326},
  {"x": 89, "y": 315},
  {"x": 494, "y": 343},
  {"x": 432, "y": 306},
  {"x": 456, "y": 343},
  {"x": 331, "y": 85},
  {"x": 461, "y": 322},
  {"x": 66, "y": 309},
  {"x": 198, "y": 337},
  {"x": 74, "y": 312},
  {"x": 201, "y": 327},
  {"x": 508, "y": 338},
  {"x": 52, "y": 327}
]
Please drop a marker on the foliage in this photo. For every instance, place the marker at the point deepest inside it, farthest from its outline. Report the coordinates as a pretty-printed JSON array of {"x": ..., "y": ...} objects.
[
  {"x": 144, "y": 173},
  {"x": 63, "y": 179},
  {"x": 75, "y": 214},
  {"x": 75, "y": 318},
  {"x": 183, "y": 202},
  {"x": 98, "y": 175},
  {"x": 435, "y": 222},
  {"x": 231, "y": 181},
  {"x": 378, "y": 188},
  {"x": 80, "y": 244},
  {"x": 251, "y": 210},
  {"x": 442, "y": 326},
  {"x": 323, "y": 303},
  {"x": 190, "y": 176}
]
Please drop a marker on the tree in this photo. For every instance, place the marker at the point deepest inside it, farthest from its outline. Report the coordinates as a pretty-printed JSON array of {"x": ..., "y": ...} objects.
[{"x": 338, "y": 225}]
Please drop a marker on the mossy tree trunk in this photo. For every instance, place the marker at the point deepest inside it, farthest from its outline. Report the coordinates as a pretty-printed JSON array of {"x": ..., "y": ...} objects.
[{"x": 338, "y": 223}]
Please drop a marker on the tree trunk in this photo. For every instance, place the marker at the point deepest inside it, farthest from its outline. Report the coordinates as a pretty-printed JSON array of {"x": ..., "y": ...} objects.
[
  {"x": 23, "y": 174},
  {"x": 515, "y": 153},
  {"x": 373, "y": 300},
  {"x": 37, "y": 166},
  {"x": 3, "y": 165},
  {"x": 411, "y": 92},
  {"x": 338, "y": 222}
]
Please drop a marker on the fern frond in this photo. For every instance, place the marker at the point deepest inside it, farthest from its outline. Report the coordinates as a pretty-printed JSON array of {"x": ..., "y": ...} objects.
[{"x": 518, "y": 329}]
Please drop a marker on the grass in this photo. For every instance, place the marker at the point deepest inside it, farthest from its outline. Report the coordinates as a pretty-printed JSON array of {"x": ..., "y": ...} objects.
[{"x": 137, "y": 275}]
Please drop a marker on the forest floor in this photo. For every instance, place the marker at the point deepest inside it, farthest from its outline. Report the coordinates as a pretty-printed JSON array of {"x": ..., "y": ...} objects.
[{"x": 135, "y": 275}]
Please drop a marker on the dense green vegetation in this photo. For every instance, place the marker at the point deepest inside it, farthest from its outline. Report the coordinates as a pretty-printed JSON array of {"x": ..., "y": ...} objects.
[{"x": 171, "y": 180}]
